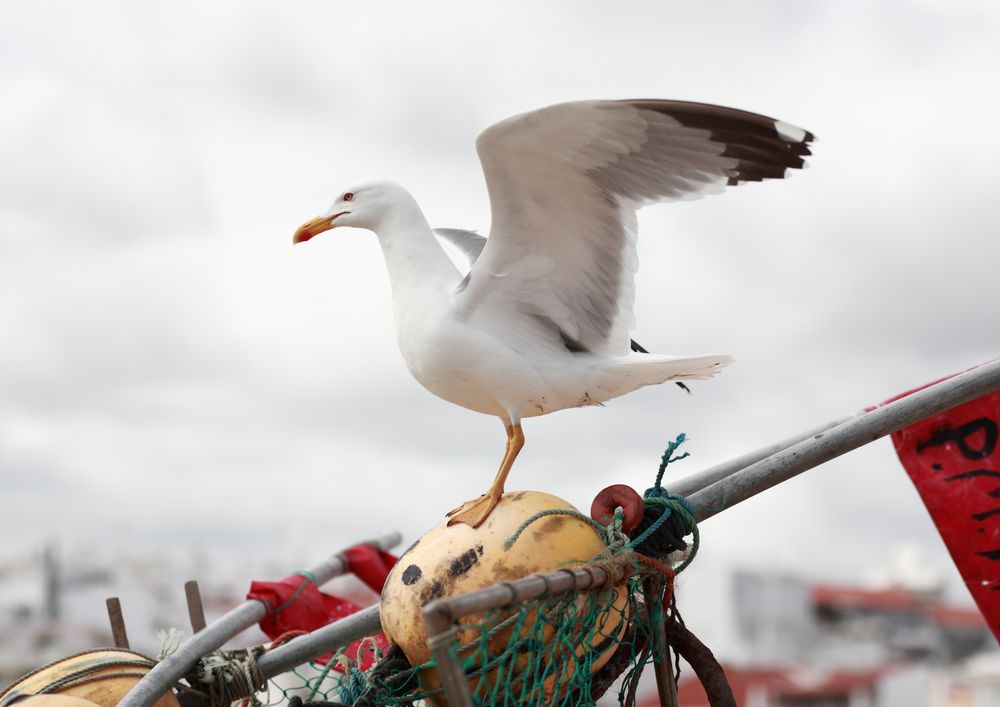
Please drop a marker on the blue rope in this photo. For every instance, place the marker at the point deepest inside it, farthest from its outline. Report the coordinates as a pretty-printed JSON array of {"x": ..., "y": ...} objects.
[
  {"x": 667, "y": 459},
  {"x": 671, "y": 503},
  {"x": 308, "y": 575},
  {"x": 352, "y": 685}
]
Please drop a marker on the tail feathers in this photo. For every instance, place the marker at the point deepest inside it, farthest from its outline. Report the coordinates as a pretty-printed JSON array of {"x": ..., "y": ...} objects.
[{"x": 641, "y": 370}]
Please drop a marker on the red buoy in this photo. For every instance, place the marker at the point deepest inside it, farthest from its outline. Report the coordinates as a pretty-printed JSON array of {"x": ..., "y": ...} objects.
[{"x": 603, "y": 508}]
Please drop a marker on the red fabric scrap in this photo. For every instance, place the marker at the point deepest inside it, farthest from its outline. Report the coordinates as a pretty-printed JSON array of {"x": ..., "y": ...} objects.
[
  {"x": 370, "y": 564},
  {"x": 296, "y": 604}
]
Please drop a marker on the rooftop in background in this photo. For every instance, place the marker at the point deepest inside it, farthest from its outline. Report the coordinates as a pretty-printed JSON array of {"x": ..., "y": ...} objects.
[
  {"x": 826, "y": 597},
  {"x": 778, "y": 685}
]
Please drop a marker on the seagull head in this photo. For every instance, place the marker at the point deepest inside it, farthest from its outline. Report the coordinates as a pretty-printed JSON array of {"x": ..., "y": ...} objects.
[{"x": 360, "y": 206}]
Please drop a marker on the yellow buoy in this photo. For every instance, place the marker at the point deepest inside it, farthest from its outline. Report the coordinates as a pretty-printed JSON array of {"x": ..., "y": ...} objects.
[
  {"x": 54, "y": 701},
  {"x": 101, "y": 676},
  {"x": 455, "y": 559}
]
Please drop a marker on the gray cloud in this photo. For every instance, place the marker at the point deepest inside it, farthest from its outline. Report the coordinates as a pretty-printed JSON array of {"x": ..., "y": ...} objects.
[
  {"x": 87, "y": 169},
  {"x": 167, "y": 355}
]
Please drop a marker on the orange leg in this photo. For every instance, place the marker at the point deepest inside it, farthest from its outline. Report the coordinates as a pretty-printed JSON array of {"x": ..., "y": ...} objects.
[{"x": 476, "y": 511}]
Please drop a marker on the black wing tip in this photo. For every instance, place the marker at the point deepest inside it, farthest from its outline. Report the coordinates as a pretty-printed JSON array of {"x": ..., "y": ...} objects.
[
  {"x": 711, "y": 115},
  {"x": 766, "y": 148}
]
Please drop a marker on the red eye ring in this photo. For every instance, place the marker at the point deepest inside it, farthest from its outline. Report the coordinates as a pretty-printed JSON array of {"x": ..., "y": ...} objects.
[{"x": 349, "y": 196}]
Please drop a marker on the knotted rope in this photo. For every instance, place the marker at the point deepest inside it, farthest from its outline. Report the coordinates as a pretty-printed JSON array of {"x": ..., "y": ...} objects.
[
  {"x": 352, "y": 685},
  {"x": 233, "y": 678},
  {"x": 668, "y": 511}
]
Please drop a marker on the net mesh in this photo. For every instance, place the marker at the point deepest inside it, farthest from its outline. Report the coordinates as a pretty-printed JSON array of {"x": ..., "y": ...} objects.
[
  {"x": 563, "y": 649},
  {"x": 310, "y": 682}
]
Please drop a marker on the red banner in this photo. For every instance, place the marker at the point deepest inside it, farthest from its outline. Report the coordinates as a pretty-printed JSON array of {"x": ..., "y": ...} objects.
[{"x": 954, "y": 461}]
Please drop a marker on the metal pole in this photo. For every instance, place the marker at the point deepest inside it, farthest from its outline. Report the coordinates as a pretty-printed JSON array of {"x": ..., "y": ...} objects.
[
  {"x": 322, "y": 640},
  {"x": 844, "y": 438},
  {"x": 696, "y": 482},
  {"x": 702, "y": 479},
  {"x": 176, "y": 665}
]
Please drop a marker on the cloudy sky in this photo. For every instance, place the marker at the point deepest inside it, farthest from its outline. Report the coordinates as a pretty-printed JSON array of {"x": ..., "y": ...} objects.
[{"x": 173, "y": 371}]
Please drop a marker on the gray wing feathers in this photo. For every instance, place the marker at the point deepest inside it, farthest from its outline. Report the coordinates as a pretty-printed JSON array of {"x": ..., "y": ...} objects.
[{"x": 469, "y": 243}]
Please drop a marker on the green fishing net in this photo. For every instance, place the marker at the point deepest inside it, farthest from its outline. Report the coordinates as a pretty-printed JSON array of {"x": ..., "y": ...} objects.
[{"x": 564, "y": 649}]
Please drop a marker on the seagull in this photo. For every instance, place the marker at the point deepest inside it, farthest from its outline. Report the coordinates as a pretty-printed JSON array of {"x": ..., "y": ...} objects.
[{"x": 540, "y": 322}]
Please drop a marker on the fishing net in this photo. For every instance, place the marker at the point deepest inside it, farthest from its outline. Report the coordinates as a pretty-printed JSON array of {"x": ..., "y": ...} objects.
[
  {"x": 563, "y": 649},
  {"x": 312, "y": 682}
]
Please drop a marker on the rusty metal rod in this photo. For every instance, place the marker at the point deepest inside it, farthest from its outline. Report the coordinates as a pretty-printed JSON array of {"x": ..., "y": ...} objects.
[
  {"x": 504, "y": 594},
  {"x": 440, "y": 621},
  {"x": 666, "y": 688},
  {"x": 118, "y": 634},
  {"x": 196, "y": 610},
  {"x": 440, "y": 615}
]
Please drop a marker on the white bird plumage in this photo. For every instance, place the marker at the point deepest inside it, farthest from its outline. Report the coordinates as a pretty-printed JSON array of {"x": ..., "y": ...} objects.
[{"x": 541, "y": 320}]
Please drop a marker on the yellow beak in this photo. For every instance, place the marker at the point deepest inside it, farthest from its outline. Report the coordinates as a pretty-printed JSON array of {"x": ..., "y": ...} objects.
[{"x": 315, "y": 227}]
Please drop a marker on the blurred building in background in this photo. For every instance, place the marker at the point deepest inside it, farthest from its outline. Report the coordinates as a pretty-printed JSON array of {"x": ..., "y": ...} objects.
[
  {"x": 896, "y": 644},
  {"x": 52, "y": 600}
]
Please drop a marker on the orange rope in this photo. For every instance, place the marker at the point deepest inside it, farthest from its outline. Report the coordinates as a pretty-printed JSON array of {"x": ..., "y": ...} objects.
[{"x": 660, "y": 568}]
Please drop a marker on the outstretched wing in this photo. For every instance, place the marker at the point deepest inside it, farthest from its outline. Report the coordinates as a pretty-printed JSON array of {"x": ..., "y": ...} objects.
[{"x": 565, "y": 183}]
